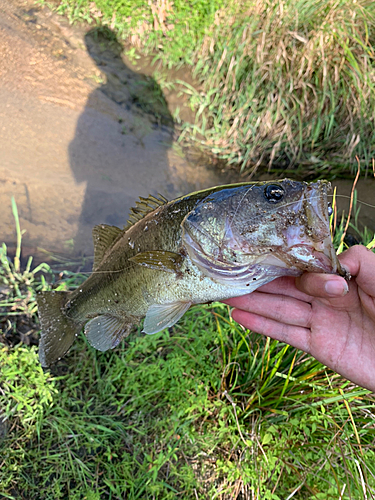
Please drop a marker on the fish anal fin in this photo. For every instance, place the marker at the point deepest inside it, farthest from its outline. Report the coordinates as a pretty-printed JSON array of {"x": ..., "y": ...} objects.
[
  {"x": 144, "y": 206},
  {"x": 103, "y": 237},
  {"x": 160, "y": 316},
  {"x": 160, "y": 260},
  {"x": 106, "y": 331},
  {"x": 57, "y": 330}
]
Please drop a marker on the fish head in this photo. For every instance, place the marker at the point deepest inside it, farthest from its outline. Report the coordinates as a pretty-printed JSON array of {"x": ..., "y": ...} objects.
[{"x": 280, "y": 224}]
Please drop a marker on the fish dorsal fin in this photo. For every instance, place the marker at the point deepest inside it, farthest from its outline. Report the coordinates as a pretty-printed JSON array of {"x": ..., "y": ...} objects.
[
  {"x": 103, "y": 237},
  {"x": 160, "y": 316},
  {"x": 144, "y": 206}
]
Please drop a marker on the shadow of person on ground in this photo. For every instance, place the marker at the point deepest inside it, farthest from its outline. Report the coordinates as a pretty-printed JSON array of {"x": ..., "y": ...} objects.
[{"x": 121, "y": 140}]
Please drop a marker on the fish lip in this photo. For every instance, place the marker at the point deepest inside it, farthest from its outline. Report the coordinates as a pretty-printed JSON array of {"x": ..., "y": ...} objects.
[
  {"x": 316, "y": 211},
  {"x": 322, "y": 255},
  {"x": 309, "y": 259},
  {"x": 326, "y": 249},
  {"x": 324, "y": 261}
]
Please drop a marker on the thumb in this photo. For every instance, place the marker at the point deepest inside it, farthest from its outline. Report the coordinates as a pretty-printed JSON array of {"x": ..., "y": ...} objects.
[
  {"x": 360, "y": 261},
  {"x": 326, "y": 286},
  {"x": 361, "y": 264}
]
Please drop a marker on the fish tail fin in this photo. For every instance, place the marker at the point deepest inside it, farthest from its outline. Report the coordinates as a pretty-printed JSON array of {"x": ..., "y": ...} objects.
[{"x": 58, "y": 331}]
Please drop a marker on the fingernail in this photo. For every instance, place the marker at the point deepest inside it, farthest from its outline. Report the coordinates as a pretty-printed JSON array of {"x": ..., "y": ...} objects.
[{"x": 336, "y": 288}]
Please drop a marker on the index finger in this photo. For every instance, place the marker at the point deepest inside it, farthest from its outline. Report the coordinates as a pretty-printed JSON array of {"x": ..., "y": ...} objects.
[
  {"x": 286, "y": 285},
  {"x": 280, "y": 286}
]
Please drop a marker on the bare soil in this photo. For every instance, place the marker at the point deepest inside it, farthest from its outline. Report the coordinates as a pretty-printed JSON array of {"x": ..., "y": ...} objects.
[{"x": 84, "y": 132}]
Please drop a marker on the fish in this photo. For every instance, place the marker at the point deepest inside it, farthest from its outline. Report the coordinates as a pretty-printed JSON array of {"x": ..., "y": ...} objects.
[{"x": 206, "y": 246}]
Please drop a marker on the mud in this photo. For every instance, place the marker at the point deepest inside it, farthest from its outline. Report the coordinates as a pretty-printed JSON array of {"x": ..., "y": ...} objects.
[{"x": 84, "y": 132}]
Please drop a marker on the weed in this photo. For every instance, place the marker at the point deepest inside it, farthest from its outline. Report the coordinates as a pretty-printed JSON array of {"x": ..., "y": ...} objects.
[
  {"x": 203, "y": 410},
  {"x": 285, "y": 85},
  {"x": 209, "y": 408},
  {"x": 17, "y": 291}
]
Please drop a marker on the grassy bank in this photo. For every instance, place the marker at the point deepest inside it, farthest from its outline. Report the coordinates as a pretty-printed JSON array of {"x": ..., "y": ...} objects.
[
  {"x": 204, "y": 410},
  {"x": 214, "y": 414},
  {"x": 288, "y": 84}
]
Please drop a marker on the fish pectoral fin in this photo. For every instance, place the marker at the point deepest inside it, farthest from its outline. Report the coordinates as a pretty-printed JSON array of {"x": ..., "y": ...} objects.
[
  {"x": 103, "y": 236},
  {"x": 105, "y": 332},
  {"x": 160, "y": 260},
  {"x": 160, "y": 316}
]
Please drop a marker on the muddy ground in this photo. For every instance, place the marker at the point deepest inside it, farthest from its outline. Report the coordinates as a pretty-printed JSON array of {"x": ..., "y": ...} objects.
[{"x": 84, "y": 132}]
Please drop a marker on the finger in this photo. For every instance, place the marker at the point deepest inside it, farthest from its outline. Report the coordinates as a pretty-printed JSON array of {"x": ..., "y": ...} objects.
[
  {"x": 322, "y": 285},
  {"x": 280, "y": 308},
  {"x": 285, "y": 286},
  {"x": 294, "y": 335},
  {"x": 360, "y": 261}
]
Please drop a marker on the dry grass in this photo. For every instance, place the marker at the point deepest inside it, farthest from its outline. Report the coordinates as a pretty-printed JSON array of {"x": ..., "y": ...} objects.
[
  {"x": 294, "y": 81},
  {"x": 286, "y": 84}
]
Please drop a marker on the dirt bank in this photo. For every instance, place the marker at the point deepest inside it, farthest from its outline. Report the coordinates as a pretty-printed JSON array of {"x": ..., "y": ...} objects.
[{"x": 84, "y": 133}]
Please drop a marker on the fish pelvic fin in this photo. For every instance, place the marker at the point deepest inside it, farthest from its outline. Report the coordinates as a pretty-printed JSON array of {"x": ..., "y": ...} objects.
[
  {"x": 58, "y": 331},
  {"x": 106, "y": 331},
  {"x": 160, "y": 316}
]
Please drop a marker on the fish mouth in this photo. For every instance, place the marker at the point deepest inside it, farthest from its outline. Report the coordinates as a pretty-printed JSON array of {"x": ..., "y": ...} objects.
[
  {"x": 309, "y": 243},
  {"x": 318, "y": 257},
  {"x": 311, "y": 259}
]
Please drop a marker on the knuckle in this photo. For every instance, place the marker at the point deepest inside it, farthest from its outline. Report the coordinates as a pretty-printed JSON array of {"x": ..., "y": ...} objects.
[{"x": 280, "y": 309}]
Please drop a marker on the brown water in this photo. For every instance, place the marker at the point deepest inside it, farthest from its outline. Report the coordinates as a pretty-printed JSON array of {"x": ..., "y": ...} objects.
[{"x": 84, "y": 132}]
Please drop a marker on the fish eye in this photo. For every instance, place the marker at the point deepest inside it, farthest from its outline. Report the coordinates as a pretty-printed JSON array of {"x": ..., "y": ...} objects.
[
  {"x": 274, "y": 193},
  {"x": 330, "y": 209}
]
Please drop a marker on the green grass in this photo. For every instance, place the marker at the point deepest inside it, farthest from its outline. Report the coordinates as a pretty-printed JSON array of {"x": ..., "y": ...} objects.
[
  {"x": 206, "y": 410},
  {"x": 181, "y": 26},
  {"x": 283, "y": 85},
  {"x": 209, "y": 409}
]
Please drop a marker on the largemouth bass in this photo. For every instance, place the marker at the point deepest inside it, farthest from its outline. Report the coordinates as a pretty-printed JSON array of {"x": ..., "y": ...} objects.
[{"x": 209, "y": 245}]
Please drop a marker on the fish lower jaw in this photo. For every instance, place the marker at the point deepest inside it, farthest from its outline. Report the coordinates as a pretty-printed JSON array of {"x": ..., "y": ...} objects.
[
  {"x": 302, "y": 257},
  {"x": 315, "y": 259}
]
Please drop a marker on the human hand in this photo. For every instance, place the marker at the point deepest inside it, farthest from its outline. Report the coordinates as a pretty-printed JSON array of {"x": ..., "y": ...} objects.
[{"x": 321, "y": 314}]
